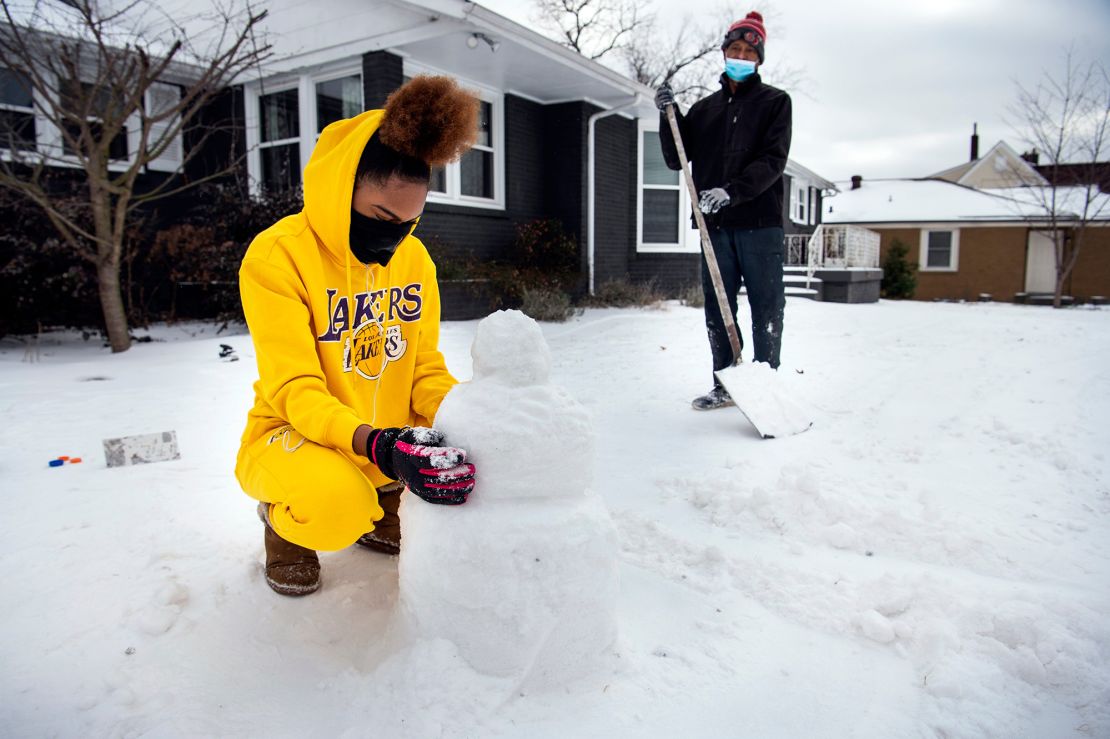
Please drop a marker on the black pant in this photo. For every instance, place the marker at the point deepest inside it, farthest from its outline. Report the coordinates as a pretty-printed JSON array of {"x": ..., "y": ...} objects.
[{"x": 752, "y": 257}]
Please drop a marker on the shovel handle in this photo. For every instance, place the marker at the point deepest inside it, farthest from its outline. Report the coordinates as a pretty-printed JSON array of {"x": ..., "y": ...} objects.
[{"x": 706, "y": 243}]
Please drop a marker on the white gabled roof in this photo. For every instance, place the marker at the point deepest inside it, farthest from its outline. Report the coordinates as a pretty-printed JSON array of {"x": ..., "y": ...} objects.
[
  {"x": 999, "y": 168},
  {"x": 940, "y": 201}
]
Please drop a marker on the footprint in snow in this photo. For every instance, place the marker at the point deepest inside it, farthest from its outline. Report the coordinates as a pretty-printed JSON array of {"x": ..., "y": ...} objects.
[{"x": 162, "y": 613}]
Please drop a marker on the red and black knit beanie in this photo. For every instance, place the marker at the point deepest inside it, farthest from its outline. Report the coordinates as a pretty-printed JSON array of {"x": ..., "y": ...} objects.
[{"x": 750, "y": 30}]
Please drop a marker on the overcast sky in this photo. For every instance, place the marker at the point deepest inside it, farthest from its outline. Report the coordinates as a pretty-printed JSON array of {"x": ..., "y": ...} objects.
[{"x": 894, "y": 87}]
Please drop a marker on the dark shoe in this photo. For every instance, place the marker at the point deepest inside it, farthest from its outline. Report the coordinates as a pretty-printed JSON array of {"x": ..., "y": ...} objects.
[
  {"x": 290, "y": 569},
  {"x": 375, "y": 542},
  {"x": 386, "y": 536},
  {"x": 718, "y": 397}
]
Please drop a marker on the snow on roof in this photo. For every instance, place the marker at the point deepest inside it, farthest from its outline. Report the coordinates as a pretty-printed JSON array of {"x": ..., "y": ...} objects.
[{"x": 939, "y": 201}]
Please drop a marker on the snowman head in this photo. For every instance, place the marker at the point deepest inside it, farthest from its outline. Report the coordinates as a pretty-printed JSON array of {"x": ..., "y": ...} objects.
[{"x": 509, "y": 348}]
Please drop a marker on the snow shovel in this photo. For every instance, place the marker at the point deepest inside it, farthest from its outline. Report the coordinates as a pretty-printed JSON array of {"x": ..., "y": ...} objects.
[{"x": 754, "y": 386}]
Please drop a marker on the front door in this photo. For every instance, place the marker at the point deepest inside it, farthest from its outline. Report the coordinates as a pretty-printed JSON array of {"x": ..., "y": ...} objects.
[{"x": 1040, "y": 263}]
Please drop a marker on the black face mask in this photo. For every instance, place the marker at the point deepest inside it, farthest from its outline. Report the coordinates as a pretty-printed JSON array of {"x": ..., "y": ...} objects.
[{"x": 374, "y": 240}]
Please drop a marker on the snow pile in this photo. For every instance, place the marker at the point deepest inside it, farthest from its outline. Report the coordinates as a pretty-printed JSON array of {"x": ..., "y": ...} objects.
[
  {"x": 930, "y": 559},
  {"x": 523, "y": 578}
]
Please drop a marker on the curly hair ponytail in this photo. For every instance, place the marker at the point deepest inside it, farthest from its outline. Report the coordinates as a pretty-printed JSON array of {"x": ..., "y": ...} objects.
[{"x": 429, "y": 121}]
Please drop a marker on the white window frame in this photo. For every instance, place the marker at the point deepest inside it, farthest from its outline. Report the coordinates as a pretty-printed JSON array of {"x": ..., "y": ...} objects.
[
  {"x": 50, "y": 143},
  {"x": 453, "y": 180},
  {"x": 35, "y": 116},
  {"x": 252, "y": 98},
  {"x": 686, "y": 243},
  {"x": 799, "y": 186},
  {"x": 305, "y": 85},
  {"x": 954, "y": 256}
]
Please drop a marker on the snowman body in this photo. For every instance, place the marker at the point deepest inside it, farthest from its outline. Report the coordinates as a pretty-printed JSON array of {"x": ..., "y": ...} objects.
[{"x": 523, "y": 577}]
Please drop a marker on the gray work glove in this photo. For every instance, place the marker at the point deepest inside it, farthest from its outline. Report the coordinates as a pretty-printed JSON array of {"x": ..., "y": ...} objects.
[
  {"x": 711, "y": 201},
  {"x": 664, "y": 96}
]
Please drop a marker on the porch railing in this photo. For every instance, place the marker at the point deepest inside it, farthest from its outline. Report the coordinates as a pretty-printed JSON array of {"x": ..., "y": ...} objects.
[{"x": 843, "y": 247}]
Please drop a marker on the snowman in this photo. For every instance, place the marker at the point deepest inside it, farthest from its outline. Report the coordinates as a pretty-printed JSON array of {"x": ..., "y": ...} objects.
[{"x": 523, "y": 578}]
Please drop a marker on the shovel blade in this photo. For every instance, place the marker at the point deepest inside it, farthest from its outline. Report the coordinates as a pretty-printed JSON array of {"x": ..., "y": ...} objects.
[{"x": 757, "y": 391}]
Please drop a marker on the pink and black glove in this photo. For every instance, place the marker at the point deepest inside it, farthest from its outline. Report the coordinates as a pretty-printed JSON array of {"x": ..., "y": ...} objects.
[{"x": 417, "y": 457}]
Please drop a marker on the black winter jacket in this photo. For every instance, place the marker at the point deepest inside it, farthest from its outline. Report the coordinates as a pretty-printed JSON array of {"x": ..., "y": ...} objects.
[{"x": 739, "y": 142}]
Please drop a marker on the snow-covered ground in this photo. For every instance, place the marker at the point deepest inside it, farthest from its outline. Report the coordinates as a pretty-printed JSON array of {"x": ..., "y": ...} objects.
[{"x": 931, "y": 559}]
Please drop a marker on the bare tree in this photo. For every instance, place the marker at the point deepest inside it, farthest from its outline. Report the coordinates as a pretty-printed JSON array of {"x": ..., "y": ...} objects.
[
  {"x": 1066, "y": 119},
  {"x": 687, "y": 58},
  {"x": 682, "y": 60},
  {"x": 593, "y": 28},
  {"x": 115, "y": 86}
]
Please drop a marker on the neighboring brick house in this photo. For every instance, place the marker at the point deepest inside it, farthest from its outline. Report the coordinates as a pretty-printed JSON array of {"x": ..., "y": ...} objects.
[{"x": 968, "y": 242}]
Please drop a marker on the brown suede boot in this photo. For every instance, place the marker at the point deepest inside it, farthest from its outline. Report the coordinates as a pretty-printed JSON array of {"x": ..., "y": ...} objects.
[
  {"x": 290, "y": 569},
  {"x": 386, "y": 536}
]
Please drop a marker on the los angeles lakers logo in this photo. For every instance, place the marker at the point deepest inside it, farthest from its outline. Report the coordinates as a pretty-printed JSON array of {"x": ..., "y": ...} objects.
[{"x": 372, "y": 346}]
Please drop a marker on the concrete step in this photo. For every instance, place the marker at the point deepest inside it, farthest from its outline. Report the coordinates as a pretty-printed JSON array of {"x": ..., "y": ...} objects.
[
  {"x": 798, "y": 291},
  {"x": 794, "y": 283},
  {"x": 797, "y": 275}
]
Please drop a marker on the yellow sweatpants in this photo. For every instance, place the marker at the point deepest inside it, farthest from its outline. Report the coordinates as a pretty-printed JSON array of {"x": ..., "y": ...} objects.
[{"x": 319, "y": 498}]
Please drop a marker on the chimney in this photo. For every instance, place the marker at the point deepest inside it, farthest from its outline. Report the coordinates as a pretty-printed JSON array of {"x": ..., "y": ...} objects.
[
  {"x": 857, "y": 181},
  {"x": 1032, "y": 156},
  {"x": 974, "y": 141}
]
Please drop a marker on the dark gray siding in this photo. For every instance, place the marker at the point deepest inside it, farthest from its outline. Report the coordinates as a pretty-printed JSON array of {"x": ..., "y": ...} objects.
[{"x": 615, "y": 198}]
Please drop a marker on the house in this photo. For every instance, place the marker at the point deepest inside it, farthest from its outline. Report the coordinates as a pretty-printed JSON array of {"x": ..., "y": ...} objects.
[
  {"x": 561, "y": 136},
  {"x": 968, "y": 242}
]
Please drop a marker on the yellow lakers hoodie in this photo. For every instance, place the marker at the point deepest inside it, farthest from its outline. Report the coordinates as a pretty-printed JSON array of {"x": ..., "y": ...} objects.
[{"x": 339, "y": 343}]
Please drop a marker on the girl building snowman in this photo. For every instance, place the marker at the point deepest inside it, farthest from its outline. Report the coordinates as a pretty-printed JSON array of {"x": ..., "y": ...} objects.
[{"x": 343, "y": 308}]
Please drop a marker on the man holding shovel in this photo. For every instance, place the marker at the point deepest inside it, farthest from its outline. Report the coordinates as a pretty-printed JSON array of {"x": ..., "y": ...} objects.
[{"x": 737, "y": 140}]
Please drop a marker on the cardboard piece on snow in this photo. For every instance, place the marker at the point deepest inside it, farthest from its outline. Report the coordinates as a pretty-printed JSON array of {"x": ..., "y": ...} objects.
[
  {"x": 757, "y": 391},
  {"x": 141, "y": 449}
]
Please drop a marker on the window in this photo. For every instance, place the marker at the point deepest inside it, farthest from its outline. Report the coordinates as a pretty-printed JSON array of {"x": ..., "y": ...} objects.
[
  {"x": 800, "y": 210},
  {"x": 476, "y": 165},
  {"x": 664, "y": 212},
  {"x": 287, "y": 116},
  {"x": 279, "y": 140},
  {"x": 659, "y": 216},
  {"x": 438, "y": 181},
  {"x": 97, "y": 100},
  {"x": 477, "y": 179},
  {"x": 17, "y": 113},
  {"x": 337, "y": 99},
  {"x": 940, "y": 250}
]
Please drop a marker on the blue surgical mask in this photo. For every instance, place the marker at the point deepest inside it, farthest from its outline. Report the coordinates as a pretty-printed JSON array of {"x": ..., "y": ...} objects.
[{"x": 739, "y": 70}]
